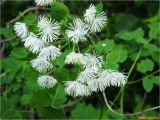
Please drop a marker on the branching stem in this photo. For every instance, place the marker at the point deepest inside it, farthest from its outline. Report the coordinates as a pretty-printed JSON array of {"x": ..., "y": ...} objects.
[
  {"x": 127, "y": 114},
  {"x": 23, "y": 13}
]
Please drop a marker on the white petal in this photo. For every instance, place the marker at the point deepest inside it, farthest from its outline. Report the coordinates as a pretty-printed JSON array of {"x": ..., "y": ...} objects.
[
  {"x": 99, "y": 22},
  {"x": 50, "y": 53},
  {"x": 113, "y": 78},
  {"x": 90, "y": 14},
  {"x": 87, "y": 74},
  {"x": 33, "y": 43},
  {"x": 77, "y": 31},
  {"x": 48, "y": 30},
  {"x": 96, "y": 85},
  {"x": 75, "y": 89},
  {"x": 74, "y": 58},
  {"x": 43, "y": 2},
  {"x": 41, "y": 64},
  {"x": 46, "y": 81},
  {"x": 92, "y": 61},
  {"x": 21, "y": 29}
]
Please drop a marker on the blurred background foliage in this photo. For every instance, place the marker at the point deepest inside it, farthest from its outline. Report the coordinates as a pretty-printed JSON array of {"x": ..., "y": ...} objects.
[{"x": 131, "y": 41}]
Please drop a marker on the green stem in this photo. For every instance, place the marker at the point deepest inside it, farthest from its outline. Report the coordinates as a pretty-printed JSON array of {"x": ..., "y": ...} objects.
[
  {"x": 69, "y": 44},
  {"x": 129, "y": 73},
  {"x": 73, "y": 47},
  {"x": 127, "y": 114},
  {"x": 133, "y": 82},
  {"x": 78, "y": 48},
  {"x": 133, "y": 65},
  {"x": 117, "y": 96},
  {"x": 55, "y": 97}
]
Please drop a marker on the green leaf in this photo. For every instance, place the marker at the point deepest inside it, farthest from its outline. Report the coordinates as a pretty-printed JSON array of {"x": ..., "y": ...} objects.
[
  {"x": 109, "y": 115},
  {"x": 141, "y": 40},
  {"x": 8, "y": 107},
  {"x": 154, "y": 18},
  {"x": 6, "y": 32},
  {"x": 61, "y": 74},
  {"x": 123, "y": 55},
  {"x": 29, "y": 18},
  {"x": 117, "y": 55},
  {"x": 11, "y": 114},
  {"x": 30, "y": 76},
  {"x": 155, "y": 57},
  {"x": 60, "y": 60},
  {"x": 19, "y": 53},
  {"x": 113, "y": 66},
  {"x": 112, "y": 57},
  {"x": 155, "y": 80},
  {"x": 29, "y": 73},
  {"x": 104, "y": 46},
  {"x": 11, "y": 66},
  {"x": 59, "y": 11},
  {"x": 20, "y": 73},
  {"x": 25, "y": 99},
  {"x": 152, "y": 48},
  {"x": 147, "y": 85},
  {"x": 145, "y": 65},
  {"x": 85, "y": 112},
  {"x": 41, "y": 99},
  {"x": 6, "y": 104},
  {"x": 99, "y": 7},
  {"x": 60, "y": 97},
  {"x": 51, "y": 113},
  {"x": 154, "y": 31},
  {"x": 131, "y": 35}
]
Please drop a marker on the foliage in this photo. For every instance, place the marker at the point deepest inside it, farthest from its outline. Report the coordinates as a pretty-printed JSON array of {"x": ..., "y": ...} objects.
[{"x": 131, "y": 39}]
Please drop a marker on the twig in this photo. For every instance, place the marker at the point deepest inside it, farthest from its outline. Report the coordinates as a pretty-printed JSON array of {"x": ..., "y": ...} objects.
[
  {"x": 22, "y": 14},
  {"x": 133, "y": 82},
  {"x": 7, "y": 40},
  {"x": 128, "y": 114},
  {"x": 143, "y": 101},
  {"x": 36, "y": 11},
  {"x": 72, "y": 103}
]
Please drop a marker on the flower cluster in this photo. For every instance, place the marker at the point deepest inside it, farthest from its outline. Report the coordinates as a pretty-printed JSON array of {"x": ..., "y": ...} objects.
[
  {"x": 93, "y": 78},
  {"x": 94, "y": 21},
  {"x": 43, "y": 2},
  {"x": 41, "y": 44}
]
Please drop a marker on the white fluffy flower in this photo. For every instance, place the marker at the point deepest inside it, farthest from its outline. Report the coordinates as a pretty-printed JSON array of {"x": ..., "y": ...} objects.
[
  {"x": 77, "y": 31},
  {"x": 50, "y": 53},
  {"x": 92, "y": 61},
  {"x": 96, "y": 85},
  {"x": 107, "y": 78},
  {"x": 101, "y": 82},
  {"x": 113, "y": 78},
  {"x": 41, "y": 64},
  {"x": 33, "y": 43},
  {"x": 96, "y": 21},
  {"x": 21, "y": 29},
  {"x": 90, "y": 13},
  {"x": 74, "y": 58},
  {"x": 49, "y": 30},
  {"x": 87, "y": 74},
  {"x": 47, "y": 81},
  {"x": 43, "y": 2},
  {"x": 99, "y": 22},
  {"x": 75, "y": 89}
]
